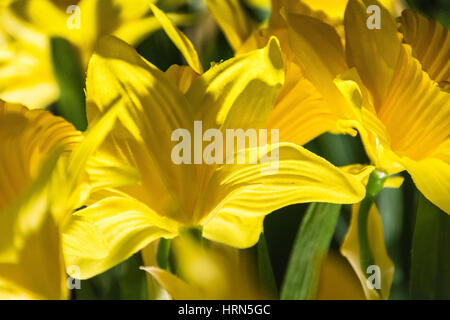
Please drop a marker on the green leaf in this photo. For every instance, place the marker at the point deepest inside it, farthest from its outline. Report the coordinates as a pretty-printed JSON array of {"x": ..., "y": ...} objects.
[
  {"x": 69, "y": 75},
  {"x": 265, "y": 272},
  {"x": 430, "y": 260},
  {"x": 310, "y": 248}
]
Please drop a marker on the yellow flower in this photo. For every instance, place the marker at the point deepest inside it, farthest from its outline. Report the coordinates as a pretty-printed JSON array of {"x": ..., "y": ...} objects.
[
  {"x": 300, "y": 108},
  {"x": 31, "y": 264},
  {"x": 42, "y": 181},
  {"x": 26, "y": 74},
  {"x": 229, "y": 201},
  {"x": 401, "y": 111},
  {"x": 394, "y": 93}
]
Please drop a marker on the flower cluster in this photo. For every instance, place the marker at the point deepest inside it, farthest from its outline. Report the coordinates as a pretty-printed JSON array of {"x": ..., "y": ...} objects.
[{"x": 183, "y": 165}]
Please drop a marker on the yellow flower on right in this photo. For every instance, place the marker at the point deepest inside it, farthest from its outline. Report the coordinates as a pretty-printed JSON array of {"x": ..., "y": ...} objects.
[{"x": 396, "y": 86}]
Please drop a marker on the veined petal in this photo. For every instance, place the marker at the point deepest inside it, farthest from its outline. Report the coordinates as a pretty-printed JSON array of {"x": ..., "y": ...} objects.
[
  {"x": 240, "y": 92},
  {"x": 125, "y": 225},
  {"x": 235, "y": 23},
  {"x": 430, "y": 42},
  {"x": 416, "y": 111},
  {"x": 33, "y": 134},
  {"x": 375, "y": 52},
  {"x": 152, "y": 108},
  {"x": 254, "y": 190},
  {"x": 301, "y": 113},
  {"x": 432, "y": 178},
  {"x": 351, "y": 250},
  {"x": 319, "y": 51},
  {"x": 179, "y": 39}
]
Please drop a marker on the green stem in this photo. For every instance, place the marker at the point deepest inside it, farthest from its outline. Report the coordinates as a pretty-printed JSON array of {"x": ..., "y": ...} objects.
[
  {"x": 162, "y": 256},
  {"x": 374, "y": 186}
]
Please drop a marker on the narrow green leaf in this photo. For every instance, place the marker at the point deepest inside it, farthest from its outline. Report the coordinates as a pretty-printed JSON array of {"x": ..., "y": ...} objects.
[
  {"x": 430, "y": 260},
  {"x": 69, "y": 75},
  {"x": 310, "y": 248},
  {"x": 133, "y": 282},
  {"x": 265, "y": 272}
]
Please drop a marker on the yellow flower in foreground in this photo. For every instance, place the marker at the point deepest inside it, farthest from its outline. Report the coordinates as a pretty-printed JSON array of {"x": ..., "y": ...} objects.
[
  {"x": 229, "y": 201},
  {"x": 208, "y": 271},
  {"x": 31, "y": 264},
  {"x": 26, "y": 74}
]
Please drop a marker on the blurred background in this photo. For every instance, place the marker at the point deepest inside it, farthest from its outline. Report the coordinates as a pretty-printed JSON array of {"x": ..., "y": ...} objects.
[{"x": 397, "y": 206}]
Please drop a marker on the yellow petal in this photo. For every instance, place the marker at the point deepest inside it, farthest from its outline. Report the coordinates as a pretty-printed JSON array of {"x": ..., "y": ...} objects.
[
  {"x": 136, "y": 30},
  {"x": 373, "y": 52},
  {"x": 181, "y": 76},
  {"x": 301, "y": 114},
  {"x": 338, "y": 281},
  {"x": 126, "y": 226},
  {"x": 351, "y": 250},
  {"x": 319, "y": 51},
  {"x": 41, "y": 255},
  {"x": 416, "y": 111},
  {"x": 179, "y": 39},
  {"x": 241, "y": 193},
  {"x": 233, "y": 229},
  {"x": 177, "y": 288},
  {"x": 235, "y": 23},
  {"x": 432, "y": 178},
  {"x": 155, "y": 291},
  {"x": 430, "y": 42},
  {"x": 33, "y": 141},
  {"x": 240, "y": 92},
  {"x": 152, "y": 108}
]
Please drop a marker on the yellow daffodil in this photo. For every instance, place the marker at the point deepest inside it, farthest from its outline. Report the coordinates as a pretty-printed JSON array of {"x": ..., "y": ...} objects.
[
  {"x": 31, "y": 264},
  {"x": 26, "y": 26},
  {"x": 393, "y": 92},
  {"x": 228, "y": 201},
  {"x": 212, "y": 272},
  {"x": 401, "y": 111},
  {"x": 300, "y": 109}
]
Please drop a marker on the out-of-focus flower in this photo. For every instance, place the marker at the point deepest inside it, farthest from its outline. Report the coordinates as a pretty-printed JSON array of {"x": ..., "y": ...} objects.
[
  {"x": 208, "y": 271},
  {"x": 26, "y": 26},
  {"x": 338, "y": 281},
  {"x": 31, "y": 264},
  {"x": 229, "y": 201},
  {"x": 42, "y": 181}
]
